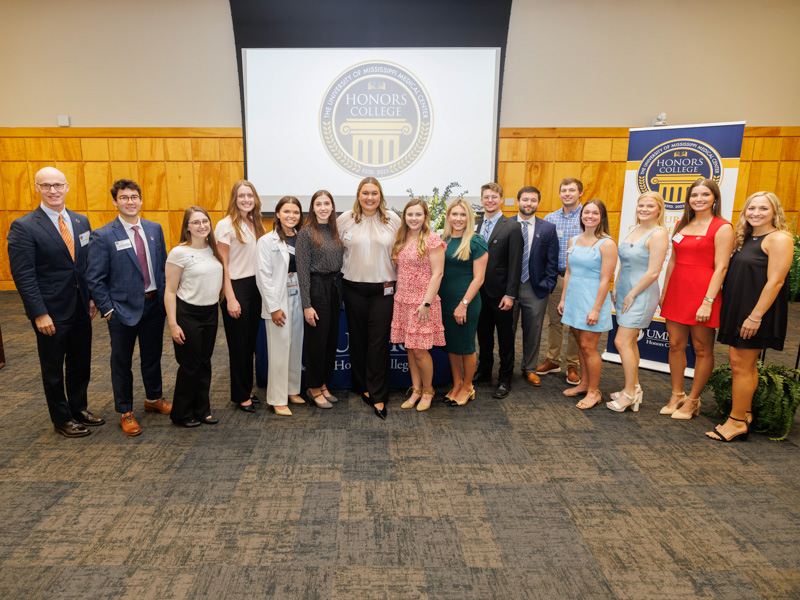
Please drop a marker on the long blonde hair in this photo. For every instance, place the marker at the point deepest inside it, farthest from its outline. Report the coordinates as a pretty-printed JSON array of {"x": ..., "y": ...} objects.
[
  {"x": 660, "y": 201},
  {"x": 254, "y": 216},
  {"x": 381, "y": 206},
  {"x": 402, "y": 232},
  {"x": 744, "y": 230},
  {"x": 463, "y": 250}
]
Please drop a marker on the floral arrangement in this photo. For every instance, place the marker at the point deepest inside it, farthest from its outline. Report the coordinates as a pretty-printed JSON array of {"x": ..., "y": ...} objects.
[{"x": 437, "y": 204}]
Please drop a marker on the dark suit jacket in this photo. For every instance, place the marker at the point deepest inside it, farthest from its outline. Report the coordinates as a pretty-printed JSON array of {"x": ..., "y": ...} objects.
[
  {"x": 543, "y": 261},
  {"x": 44, "y": 273},
  {"x": 505, "y": 259},
  {"x": 114, "y": 276}
]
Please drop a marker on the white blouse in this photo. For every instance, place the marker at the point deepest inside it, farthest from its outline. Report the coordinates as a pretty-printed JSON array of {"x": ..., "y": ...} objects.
[
  {"x": 241, "y": 257},
  {"x": 201, "y": 280},
  {"x": 368, "y": 247}
]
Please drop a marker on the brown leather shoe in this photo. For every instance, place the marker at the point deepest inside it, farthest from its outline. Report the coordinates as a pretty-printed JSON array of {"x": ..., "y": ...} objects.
[
  {"x": 533, "y": 379},
  {"x": 548, "y": 366},
  {"x": 159, "y": 406},
  {"x": 129, "y": 424},
  {"x": 573, "y": 377}
]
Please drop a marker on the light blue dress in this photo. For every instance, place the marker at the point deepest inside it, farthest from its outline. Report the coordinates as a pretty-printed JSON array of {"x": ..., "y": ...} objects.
[
  {"x": 633, "y": 261},
  {"x": 584, "y": 281}
]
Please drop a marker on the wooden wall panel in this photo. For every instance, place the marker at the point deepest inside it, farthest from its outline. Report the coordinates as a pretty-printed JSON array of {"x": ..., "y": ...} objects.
[{"x": 179, "y": 167}]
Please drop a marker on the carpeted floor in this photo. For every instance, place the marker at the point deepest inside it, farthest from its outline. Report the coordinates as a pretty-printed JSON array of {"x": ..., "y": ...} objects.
[{"x": 526, "y": 497}]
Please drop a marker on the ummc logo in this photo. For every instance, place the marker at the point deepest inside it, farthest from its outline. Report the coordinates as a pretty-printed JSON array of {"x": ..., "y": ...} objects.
[
  {"x": 673, "y": 166},
  {"x": 376, "y": 119}
]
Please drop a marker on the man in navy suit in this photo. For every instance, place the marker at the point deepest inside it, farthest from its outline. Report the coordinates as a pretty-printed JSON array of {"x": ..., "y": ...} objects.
[
  {"x": 499, "y": 291},
  {"x": 47, "y": 253},
  {"x": 538, "y": 279},
  {"x": 126, "y": 280}
]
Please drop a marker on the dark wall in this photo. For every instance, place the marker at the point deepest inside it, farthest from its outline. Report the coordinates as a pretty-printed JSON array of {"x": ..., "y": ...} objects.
[{"x": 366, "y": 24}]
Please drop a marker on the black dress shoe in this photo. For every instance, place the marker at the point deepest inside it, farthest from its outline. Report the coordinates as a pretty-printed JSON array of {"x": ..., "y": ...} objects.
[
  {"x": 482, "y": 377},
  {"x": 502, "y": 390},
  {"x": 251, "y": 408},
  {"x": 255, "y": 399},
  {"x": 209, "y": 420},
  {"x": 86, "y": 418},
  {"x": 71, "y": 429},
  {"x": 366, "y": 399},
  {"x": 381, "y": 412},
  {"x": 189, "y": 423}
]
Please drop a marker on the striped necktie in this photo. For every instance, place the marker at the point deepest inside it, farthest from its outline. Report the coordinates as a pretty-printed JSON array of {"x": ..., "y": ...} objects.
[
  {"x": 487, "y": 229},
  {"x": 66, "y": 236},
  {"x": 525, "y": 258}
]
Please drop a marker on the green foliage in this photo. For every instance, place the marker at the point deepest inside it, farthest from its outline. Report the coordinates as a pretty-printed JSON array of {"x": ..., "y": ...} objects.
[
  {"x": 774, "y": 403},
  {"x": 794, "y": 270},
  {"x": 437, "y": 204}
]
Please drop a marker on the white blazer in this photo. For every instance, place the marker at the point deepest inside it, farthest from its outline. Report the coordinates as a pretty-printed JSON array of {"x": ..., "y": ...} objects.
[{"x": 272, "y": 269}]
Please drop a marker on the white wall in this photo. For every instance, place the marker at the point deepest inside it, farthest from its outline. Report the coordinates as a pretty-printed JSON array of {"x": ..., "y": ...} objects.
[
  {"x": 610, "y": 63},
  {"x": 118, "y": 63},
  {"x": 579, "y": 63}
]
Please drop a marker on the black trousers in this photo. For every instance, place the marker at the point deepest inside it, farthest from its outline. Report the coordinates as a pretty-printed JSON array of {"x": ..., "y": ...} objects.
[
  {"x": 369, "y": 321},
  {"x": 66, "y": 358},
  {"x": 241, "y": 335},
  {"x": 491, "y": 316},
  {"x": 150, "y": 331},
  {"x": 192, "y": 384},
  {"x": 321, "y": 340}
]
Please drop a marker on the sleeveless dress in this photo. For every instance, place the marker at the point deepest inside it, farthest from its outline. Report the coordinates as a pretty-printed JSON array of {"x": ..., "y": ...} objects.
[
  {"x": 746, "y": 277},
  {"x": 584, "y": 281},
  {"x": 460, "y": 338},
  {"x": 688, "y": 284},
  {"x": 413, "y": 276},
  {"x": 634, "y": 260}
]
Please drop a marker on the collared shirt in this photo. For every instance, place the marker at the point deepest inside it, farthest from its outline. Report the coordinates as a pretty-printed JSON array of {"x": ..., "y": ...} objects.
[
  {"x": 493, "y": 221},
  {"x": 567, "y": 227},
  {"x": 531, "y": 225},
  {"x": 131, "y": 233},
  {"x": 53, "y": 216}
]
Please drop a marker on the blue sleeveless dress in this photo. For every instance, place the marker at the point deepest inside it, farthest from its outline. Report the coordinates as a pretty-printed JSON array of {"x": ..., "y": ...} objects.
[
  {"x": 633, "y": 261},
  {"x": 584, "y": 281}
]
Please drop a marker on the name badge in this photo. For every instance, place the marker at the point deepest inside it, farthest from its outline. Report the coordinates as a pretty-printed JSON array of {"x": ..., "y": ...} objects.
[
  {"x": 291, "y": 250},
  {"x": 677, "y": 239},
  {"x": 347, "y": 235},
  {"x": 388, "y": 289},
  {"x": 291, "y": 282},
  {"x": 570, "y": 249},
  {"x": 84, "y": 238},
  {"x": 123, "y": 245}
]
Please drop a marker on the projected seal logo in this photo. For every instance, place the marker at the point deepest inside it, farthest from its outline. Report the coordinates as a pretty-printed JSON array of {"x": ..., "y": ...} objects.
[
  {"x": 376, "y": 119},
  {"x": 670, "y": 168}
]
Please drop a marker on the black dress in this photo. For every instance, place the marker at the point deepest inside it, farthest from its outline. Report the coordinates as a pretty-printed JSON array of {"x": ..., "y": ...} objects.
[{"x": 746, "y": 278}]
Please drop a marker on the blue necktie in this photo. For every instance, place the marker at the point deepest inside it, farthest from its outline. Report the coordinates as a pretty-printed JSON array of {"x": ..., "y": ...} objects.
[
  {"x": 487, "y": 228},
  {"x": 525, "y": 257}
]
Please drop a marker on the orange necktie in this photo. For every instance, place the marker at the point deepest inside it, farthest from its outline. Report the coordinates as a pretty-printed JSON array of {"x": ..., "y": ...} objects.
[{"x": 67, "y": 237}]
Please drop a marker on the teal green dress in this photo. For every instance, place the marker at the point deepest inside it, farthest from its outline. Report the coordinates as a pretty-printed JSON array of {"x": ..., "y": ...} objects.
[{"x": 460, "y": 339}]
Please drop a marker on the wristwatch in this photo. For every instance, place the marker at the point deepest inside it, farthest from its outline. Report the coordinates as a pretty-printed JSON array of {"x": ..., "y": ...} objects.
[
  {"x": 426, "y": 304},
  {"x": 464, "y": 302}
]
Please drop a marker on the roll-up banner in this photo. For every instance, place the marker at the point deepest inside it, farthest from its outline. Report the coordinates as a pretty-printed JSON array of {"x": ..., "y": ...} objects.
[{"x": 668, "y": 160}]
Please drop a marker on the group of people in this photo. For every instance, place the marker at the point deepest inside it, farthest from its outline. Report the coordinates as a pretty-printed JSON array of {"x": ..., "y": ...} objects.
[{"x": 399, "y": 282}]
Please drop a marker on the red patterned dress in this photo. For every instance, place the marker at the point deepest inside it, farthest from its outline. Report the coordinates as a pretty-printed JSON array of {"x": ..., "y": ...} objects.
[{"x": 413, "y": 277}]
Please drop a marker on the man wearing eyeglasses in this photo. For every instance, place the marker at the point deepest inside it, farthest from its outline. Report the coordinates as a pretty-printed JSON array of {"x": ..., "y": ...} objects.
[
  {"x": 47, "y": 250},
  {"x": 126, "y": 280}
]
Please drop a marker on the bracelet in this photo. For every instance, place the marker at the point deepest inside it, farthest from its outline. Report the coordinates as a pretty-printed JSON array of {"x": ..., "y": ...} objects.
[
  {"x": 749, "y": 318},
  {"x": 709, "y": 300}
]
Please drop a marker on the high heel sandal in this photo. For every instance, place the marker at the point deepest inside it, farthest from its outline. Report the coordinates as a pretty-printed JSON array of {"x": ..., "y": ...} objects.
[
  {"x": 600, "y": 399},
  {"x": 429, "y": 392},
  {"x": 635, "y": 401},
  {"x": 410, "y": 403},
  {"x": 471, "y": 396},
  {"x": 666, "y": 410},
  {"x": 738, "y": 436},
  {"x": 313, "y": 398},
  {"x": 616, "y": 395},
  {"x": 448, "y": 398},
  {"x": 682, "y": 416}
]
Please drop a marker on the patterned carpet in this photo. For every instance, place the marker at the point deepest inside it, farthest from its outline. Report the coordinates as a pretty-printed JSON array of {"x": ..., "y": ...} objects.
[{"x": 526, "y": 497}]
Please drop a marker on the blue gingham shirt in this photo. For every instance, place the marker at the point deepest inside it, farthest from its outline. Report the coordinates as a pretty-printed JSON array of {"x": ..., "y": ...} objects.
[{"x": 567, "y": 227}]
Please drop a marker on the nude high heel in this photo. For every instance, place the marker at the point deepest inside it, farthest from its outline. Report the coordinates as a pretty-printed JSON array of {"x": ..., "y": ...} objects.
[
  {"x": 682, "y": 416},
  {"x": 410, "y": 403},
  {"x": 665, "y": 410}
]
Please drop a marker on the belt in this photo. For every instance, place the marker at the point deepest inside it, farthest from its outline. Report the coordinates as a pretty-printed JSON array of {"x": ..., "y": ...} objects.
[{"x": 152, "y": 294}]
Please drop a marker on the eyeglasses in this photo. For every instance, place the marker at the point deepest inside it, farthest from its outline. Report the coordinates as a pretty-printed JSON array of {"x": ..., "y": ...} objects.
[
  {"x": 128, "y": 198},
  {"x": 56, "y": 186},
  {"x": 198, "y": 223}
]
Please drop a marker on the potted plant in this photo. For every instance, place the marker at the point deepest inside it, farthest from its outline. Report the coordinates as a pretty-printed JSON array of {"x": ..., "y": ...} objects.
[
  {"x": 774, "y": 403},
  {"x": 437, "y": 204}
]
